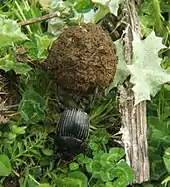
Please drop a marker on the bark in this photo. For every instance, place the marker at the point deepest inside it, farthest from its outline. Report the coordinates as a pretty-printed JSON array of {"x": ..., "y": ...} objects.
[{"x": 133, "y": 118}]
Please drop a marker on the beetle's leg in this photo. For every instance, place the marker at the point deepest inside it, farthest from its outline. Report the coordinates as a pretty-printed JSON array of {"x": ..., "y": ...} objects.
[
  {"x": 60, "y": 106},
  {"x": 93, "y": 97},
  {"x": 56, "y": 156}
]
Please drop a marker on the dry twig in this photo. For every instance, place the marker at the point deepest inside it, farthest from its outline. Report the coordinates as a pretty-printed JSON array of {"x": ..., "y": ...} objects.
[{"x": 38, "y": 19}]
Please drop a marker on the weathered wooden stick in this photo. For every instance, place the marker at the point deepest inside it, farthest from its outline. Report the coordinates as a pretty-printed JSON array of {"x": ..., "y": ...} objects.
[{"x": 134, "y": 125}]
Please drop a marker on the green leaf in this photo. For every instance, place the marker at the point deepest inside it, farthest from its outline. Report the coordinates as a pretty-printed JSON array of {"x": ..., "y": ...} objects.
[
  {"x": 31, "y": 107},
  {"x": 114, "y": 155},
  {"x": 44, "y": 185},
  {"x": 81, "y": 176},
  {"x": 105, "y": 174},
  {"x": 83, "y": 6},
  {"x": 6, "y": 63},
  {"x": 43, "y": 43},
  {"x": 73, "y": 166},
  {"x": 122, "y": 71},
  {"x": 147, "y": 17},
  {"x": 94, "y": 146},
  {"x": 166, "y": 181},
  {"x": 5, "y": 165},
  {"x": 147, "y": 74},
  {"x": 101, "y": 12},
  {"x": 96, "y": 167},
  {"x": 123, "y": 173},
  {"x": 38, "y": 46},
  {"x": 158, "y": 130},
  {"x": 166, "y": 159},
  {"x": 10, "y": 31},
  {"x": 111, "y": 5},
  {"x": 164, "y": 5},
  {"x": 31, "y": 181},
  {"x": 21, "y": 68},
  {"x": 109, "y": 184},
  {"x": 114, "y": 5},
  {"x": 18, "y": 130},
  {"x": 68, "y": 182},
  {"x": 99, "y": 183},
  {"x": 89, "y": 166},
  {"x": 47, "y": 152},
  {"x": 82, "y": 159},
  {"x": 117, "y": 152}
]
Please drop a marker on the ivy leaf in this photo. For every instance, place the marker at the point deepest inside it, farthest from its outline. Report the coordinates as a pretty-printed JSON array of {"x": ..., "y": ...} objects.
[
  {"x": 83, "y": 6},
  {"x": 31, "y": 107},
  {"x": 5, "y": 166},
  {"x": 79, "y": 175},
  {"x": 114, "y": 155},
  {"x": 123, "y": 173},
  {"x": 147, "y": 74},
  {"x": 111, "y": 5},
  {"x": 6, "y": 63},
  {"x": 10, "y": 31},
  {"x": 43, "y": 42}
]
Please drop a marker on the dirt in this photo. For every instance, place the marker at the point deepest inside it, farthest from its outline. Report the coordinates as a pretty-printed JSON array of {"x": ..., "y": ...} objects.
[
  {"x": 82, "y": 58},
  {"x": 9, "y": 96}
]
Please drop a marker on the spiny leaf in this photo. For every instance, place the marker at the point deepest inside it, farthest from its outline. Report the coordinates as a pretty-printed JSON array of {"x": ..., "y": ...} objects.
[
  {"x": 10, "y": 31},
  {"x": 147, "y": 74},
  {"x": 7, "y": 63},
  {"x": 111, "y": 5},
  {"x": 122, "y": 71}
]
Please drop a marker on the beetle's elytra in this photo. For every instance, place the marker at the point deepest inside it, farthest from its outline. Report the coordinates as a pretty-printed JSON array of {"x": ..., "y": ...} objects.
[{"x": 71, "y": 132}]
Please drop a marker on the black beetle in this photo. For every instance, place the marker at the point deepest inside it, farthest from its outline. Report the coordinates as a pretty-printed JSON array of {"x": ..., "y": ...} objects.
[{"x": 71, "y": 133}]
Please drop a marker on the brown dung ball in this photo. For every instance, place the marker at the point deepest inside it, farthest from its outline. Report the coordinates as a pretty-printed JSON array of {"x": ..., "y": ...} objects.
[{"x": 82, "y": 58}]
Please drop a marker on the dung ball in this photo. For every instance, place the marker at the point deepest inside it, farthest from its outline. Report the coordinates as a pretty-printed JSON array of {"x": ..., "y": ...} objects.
[{"x": 82, "y": 58}]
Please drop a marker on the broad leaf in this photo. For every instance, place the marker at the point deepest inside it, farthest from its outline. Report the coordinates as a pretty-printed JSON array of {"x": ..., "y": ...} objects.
[
  {"x": 5, "y": 166},
  {"x": 147, "y": 74}
]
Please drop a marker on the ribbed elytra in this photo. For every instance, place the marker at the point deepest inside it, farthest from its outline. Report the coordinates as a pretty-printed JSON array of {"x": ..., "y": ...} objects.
[
  {"x": 74, "y": 123},
  {"x": 71, "y": 133}
]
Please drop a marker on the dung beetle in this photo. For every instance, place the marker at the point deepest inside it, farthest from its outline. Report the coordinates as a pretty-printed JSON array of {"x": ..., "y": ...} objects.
[{"x": 71, "y": 134}]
